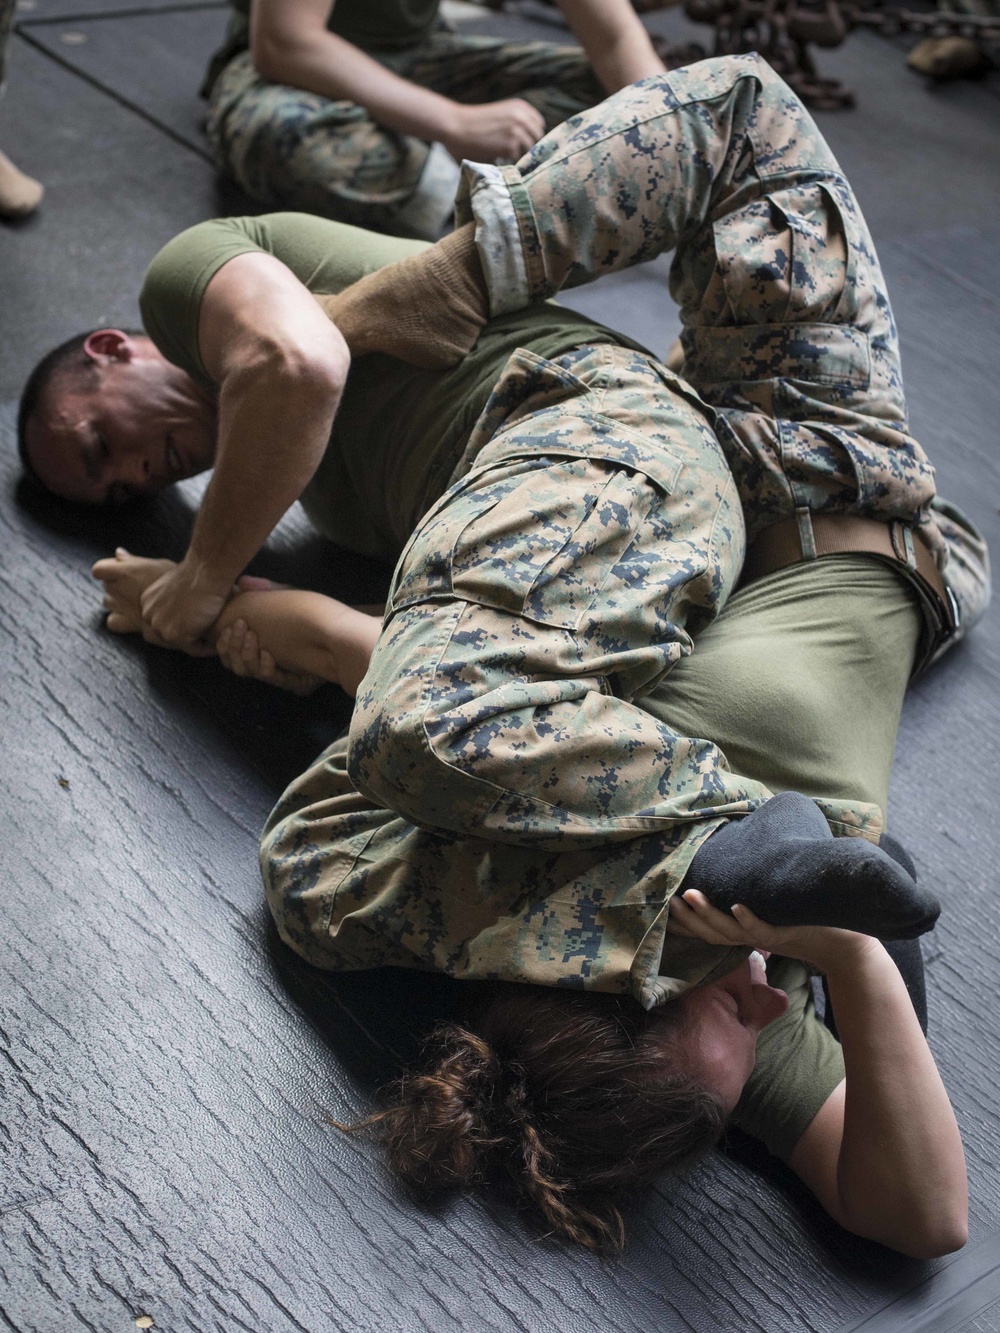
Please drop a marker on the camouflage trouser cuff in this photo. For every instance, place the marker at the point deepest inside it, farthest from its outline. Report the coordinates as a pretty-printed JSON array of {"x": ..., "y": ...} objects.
[
  {"x": 427, "y": 211},
  {"x": 496, "y": 200}
]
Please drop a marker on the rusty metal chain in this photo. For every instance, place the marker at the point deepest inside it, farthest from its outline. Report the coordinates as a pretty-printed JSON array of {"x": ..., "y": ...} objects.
[
  {"x": 784, "y": 30},
  {"x": 892, "y": 22}
]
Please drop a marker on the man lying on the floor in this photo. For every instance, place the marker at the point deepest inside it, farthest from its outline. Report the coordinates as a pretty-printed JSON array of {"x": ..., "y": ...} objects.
[{"x": 241, "y": 371}]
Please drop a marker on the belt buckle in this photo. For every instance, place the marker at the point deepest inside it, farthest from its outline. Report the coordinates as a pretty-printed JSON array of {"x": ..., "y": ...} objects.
[{"x": 901, "y": 535}]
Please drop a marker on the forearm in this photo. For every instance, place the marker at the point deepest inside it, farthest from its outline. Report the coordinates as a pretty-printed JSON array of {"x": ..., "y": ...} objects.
[
  {"x": 307, "y": 632},
  {"x": 274, "y": 426},
  {"x": 321, "y": 62},
  {"x": 616, "y": 42},
  {"x": 901, "y": 1169}
]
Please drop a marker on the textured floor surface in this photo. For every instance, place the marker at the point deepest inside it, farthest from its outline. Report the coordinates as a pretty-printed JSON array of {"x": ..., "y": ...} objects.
[{"x": 167, "y": 1067}]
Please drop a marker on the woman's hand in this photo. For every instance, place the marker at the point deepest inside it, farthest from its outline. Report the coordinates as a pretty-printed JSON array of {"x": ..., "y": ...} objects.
[
  {"x": 126, "y": 578},
  {"x": 823, "y": 947},
  {"x": 240, "y": 652}
]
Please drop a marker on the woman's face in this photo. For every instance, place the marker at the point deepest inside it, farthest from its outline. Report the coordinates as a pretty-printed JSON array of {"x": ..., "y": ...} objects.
[{"x": 721, "y": 1022}]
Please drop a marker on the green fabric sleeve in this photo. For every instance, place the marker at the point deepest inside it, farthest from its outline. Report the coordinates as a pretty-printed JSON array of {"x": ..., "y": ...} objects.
[
  {"x": 326, "y": 256},
  {"x": 799, "y": 1064},
  {"x": 175, "y": 282}
]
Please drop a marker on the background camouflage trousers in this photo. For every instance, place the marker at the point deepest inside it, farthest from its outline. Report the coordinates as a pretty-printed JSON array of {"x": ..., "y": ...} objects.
[{"x": 293, "y": 149}]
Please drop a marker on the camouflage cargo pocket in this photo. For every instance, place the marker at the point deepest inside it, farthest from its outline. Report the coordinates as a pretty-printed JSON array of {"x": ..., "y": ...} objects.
[
  {"x": 545, "y": 524},
  {"x": 549, "y": 548},
  {"x": 788, "y": 265}
]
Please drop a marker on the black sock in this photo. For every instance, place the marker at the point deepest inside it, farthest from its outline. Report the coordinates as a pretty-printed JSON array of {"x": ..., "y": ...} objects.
[{"x": 783, "y": 862}]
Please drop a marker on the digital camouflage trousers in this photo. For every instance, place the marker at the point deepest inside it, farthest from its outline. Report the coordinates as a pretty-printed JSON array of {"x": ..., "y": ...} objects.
[
  {"x": 788, "y": 331},
  {"x": 512, "y": 803},
  {"x": 297, "y": 150}
]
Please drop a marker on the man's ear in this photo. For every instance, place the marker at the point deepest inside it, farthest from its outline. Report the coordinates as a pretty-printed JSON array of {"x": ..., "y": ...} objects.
[{"x": 105, "y": 345}]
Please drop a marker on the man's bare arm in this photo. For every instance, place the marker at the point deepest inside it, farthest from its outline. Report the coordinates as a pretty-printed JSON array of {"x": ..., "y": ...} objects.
[
  {"x": 285, "y": 636},
  {"x": 280, "y": 365}
]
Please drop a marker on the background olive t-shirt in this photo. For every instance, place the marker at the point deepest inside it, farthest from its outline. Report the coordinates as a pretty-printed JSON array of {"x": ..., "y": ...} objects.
[
  {"x": 373, "y": 25},
  {"x": 400, "y": 431}
]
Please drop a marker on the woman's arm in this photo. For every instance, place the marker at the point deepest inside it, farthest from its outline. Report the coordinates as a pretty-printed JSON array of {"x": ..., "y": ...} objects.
[
  {"x": 883, "y": 1155},
  {"x": 284, "y": 636},
  {"x": 291, "y": 44},
  {"x": 301, "y": 634}
]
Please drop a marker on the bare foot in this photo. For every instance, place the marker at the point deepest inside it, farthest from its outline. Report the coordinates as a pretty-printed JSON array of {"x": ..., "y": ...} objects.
[{"x": 19, "y": 194}]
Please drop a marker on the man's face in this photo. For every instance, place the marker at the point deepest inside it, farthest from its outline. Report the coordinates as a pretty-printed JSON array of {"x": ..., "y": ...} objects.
[{"x": 132, "y": 427}]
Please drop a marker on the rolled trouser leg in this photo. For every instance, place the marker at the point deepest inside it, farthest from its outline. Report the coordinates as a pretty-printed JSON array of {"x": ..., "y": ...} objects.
[
  {"x": 788, "y": 328},
  {"x": 626, "y": 180}
]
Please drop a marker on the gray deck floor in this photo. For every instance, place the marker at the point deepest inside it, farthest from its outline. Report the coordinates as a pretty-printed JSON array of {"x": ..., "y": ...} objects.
[{"x": 167, "y": 1067}]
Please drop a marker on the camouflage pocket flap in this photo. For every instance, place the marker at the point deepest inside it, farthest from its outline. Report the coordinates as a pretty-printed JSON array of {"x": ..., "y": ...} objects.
[
  {"x": 556, "y": 433},
  {"x": 814, "y": 353}
]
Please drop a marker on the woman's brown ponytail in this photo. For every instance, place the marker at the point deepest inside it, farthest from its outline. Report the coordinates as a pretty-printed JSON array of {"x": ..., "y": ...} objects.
[{"x": 569, "y": 1095}]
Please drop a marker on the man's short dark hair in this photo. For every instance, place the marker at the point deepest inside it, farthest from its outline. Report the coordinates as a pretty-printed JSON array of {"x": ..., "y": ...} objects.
[{"x": 68, "y": 360}]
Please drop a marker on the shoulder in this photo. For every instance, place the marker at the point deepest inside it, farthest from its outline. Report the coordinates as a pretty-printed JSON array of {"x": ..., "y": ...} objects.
[{"x": 175, "y": 284}]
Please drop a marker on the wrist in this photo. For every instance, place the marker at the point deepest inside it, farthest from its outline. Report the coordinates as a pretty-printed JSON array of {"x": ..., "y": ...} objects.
[
  {"x": 848, "y": 954},
  {"x": 450, "y": 127},
  {"x": 205, "y": 577}
]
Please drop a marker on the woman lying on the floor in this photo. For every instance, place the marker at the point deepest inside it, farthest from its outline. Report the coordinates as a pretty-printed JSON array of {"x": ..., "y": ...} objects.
[{"x": 576, "y": 1094}]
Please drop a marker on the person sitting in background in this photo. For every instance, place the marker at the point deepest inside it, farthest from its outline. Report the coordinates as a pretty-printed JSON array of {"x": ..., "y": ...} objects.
[
  {"x": 361, "y": 110},
  {"x": 19, "y": 194}
]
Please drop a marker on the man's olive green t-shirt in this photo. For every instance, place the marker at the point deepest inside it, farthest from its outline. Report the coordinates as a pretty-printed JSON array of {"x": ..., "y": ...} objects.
[
  {"x": 374, "y": 25},
  {"x": 400, "y": 431}
]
